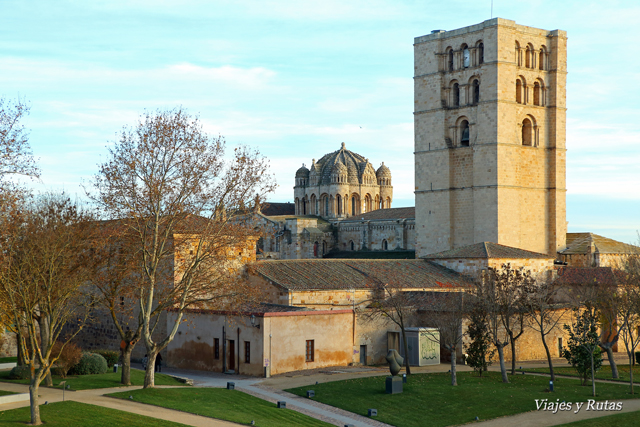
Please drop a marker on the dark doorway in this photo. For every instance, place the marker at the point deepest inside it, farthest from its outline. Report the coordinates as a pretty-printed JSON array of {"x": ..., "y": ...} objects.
[
  {"x": 363, "y": 354},
  {"x": 232, "y": 355}
]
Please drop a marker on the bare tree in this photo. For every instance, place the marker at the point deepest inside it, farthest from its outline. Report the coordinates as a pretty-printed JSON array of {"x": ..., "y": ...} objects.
[
  {"x": 546, "y": 309},
  {"x": 446, "y": 311},
  {"x": 168, "y": 183},
  {"x": 116, "y": 276},
  {"x": 499, "y": 294},
  {"x": 42, "y": 280},
  {"x": 391, "y": 302},
  {"x": 15, "y": 153},
  {"x": 629, "y": 308}
]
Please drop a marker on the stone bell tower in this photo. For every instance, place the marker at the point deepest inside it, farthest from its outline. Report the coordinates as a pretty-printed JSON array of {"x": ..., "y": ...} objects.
[{"x": 490, "y": 124}]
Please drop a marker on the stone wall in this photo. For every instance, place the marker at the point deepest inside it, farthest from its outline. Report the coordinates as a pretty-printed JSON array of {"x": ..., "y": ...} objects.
[
  {"x": 497, "y": 188},
  {"x": 8, "y": 344}
]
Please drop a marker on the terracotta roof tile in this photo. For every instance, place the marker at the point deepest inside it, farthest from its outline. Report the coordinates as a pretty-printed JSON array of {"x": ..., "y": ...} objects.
[
  {"x": 584, "y": 275},
  {"x": 329, "y": 274},
  {"x": 580, "y": 243},
  {"x": 488, "y": 250}
]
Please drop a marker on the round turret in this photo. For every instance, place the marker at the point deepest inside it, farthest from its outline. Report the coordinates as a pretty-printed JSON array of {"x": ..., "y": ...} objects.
[{"x": 384, "y": 175}]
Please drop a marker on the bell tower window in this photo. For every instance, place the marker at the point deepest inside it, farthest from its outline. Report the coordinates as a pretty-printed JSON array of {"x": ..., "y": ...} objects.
[{"x": 464, "y": 132}]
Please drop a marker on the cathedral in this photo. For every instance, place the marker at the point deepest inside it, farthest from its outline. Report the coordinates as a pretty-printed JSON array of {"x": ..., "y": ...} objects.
[{"x": 342, "y": 204}]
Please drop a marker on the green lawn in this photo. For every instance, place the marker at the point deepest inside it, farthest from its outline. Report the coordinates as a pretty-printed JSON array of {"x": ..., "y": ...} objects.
[
  {"x": 230, "y": 405},
  {"x": 603, "y": 373},
  {"x": 5, "y": 393},
  {"x": 430, "y": 397},
  {"x": 8, "y": 359},
  {"x": 628, "y": 419},
  {"x": 75, "y": 414},
  {"x": 110, "y": 379}
]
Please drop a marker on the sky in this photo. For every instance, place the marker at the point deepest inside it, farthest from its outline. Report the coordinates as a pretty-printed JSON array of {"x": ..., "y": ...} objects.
[{"x": 295, "y": 79}]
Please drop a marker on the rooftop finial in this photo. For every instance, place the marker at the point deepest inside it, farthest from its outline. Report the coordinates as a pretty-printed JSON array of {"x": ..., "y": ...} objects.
[{"x": 343, "y": 145}]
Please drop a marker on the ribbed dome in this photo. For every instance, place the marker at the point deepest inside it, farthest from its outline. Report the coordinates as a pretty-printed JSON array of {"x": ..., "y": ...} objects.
[
  {"x": 383, "y": 171},
  {"x": 303, "y": 172},
  {"x": 353, "y": 163}
]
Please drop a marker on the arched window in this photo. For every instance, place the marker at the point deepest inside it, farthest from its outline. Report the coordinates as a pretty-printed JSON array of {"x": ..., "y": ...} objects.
[
  {"x": 464, "y": 132},
  {"x": 527, "y": 58},
  {"x": 326, "y": 205},
  {"x": 385, "y": 246},
  {"x": 466, "y": 56},
  {"x": 339, "y": 204},
  {"x": 315, "y": 249},
  {"x": 518, "y": 55},
  {"x": 518, "y": 91},
  {"x": 476, "y": 91},
  {"x": 527, "y": 133},
  {"x": 536, "y": 94},
  {"x": 541, "y": 59},
  {"x": 388, "y": 203},
  {"x": 353, "y": 205},
  {"x": 481, "y": 53},
  {"x": 351, "y": 245},
  {"x": 456, "y": 95},
  {"x": 450, "y": 59}
]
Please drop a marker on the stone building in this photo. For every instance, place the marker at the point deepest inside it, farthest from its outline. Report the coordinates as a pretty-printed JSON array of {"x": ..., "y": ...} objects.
[
  {"x": 592, "y": 250},
  {"x": 340, "y": 185},
  {"x": 490, "y": 137},
  {"x": 341, "y": 204}
]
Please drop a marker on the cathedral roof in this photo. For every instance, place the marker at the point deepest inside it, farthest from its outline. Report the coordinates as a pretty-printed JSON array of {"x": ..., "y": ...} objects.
[
  {"x": 358, "y": 273},
  {"x": 355, "y": 165},
  {"x": 379, "y": 214},
  {"x": 488, "y": 250}
]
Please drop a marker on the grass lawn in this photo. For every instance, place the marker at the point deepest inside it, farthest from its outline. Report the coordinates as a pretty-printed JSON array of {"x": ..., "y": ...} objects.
[
  {"x": 75, "y": 414},
  {"x": 8, "y": 359},
  {"x": 628, "y": 419},
  {"x": 108, "y": 380},
  {"x": 431, "y": 397},
  {"x": 5, "y": 393},
  {"x": 230, "y": 405},
  {"x": 603, "y": 373}
]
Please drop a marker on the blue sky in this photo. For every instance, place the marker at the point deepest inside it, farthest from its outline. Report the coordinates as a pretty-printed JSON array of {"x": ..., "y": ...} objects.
[{"x": 295, "y": 79}]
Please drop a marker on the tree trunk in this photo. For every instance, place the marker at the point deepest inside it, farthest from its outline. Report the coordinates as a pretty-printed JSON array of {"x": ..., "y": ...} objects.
[
  {"x": 454, "y": 378},
  {"x": 503, "y": 368},
  {"x": 546, "y": 349},
  {"x": 406, "y": 352},
  {"x": 630, "y": 370},
  {"x": 125, "y": 377},
  {"x": 612, "y": 362},
  {"x": 44, "y": 346},
  {"x": 149, "y": 375},
  {"x": 513, "y": 356},
  {"x": 593, "y": 379},
  {"x": 33, "y": 397}
]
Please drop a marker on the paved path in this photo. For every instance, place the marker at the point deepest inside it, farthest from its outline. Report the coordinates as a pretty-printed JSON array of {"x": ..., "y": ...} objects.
[{"x": 258, "y": 387}]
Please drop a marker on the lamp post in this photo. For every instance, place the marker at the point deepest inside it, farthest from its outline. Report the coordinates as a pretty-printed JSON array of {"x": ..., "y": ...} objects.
[
  {"x": 253, "y": 321},
  {"x": 63, "y": 384}
]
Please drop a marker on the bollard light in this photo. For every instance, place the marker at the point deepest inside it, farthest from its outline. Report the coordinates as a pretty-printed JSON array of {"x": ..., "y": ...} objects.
[{"x": 550, "y": 385}]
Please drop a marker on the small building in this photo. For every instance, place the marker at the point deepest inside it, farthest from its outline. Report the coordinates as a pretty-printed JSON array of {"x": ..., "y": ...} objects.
[
  {"x": 262, "y": 341},
  {"x": 424, "y": 346}
]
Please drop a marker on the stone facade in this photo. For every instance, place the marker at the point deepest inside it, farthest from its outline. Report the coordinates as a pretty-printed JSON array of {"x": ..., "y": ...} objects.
[
  {"x": 304, "y": 237},
  {"x": 490, "y": 137},
  {"x": 225, "y": 341}
]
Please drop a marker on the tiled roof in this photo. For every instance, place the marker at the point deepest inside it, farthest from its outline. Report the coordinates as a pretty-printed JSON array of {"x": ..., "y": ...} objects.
[
  {"x": 391, "y": 213},
  {"x": 270, "y": 209},
  {"x": 580, "y": 243},
  {"x": 584, "y": 275},
  {"x": 488, "y": 250},
  {"x": 326, "y": 274}
]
